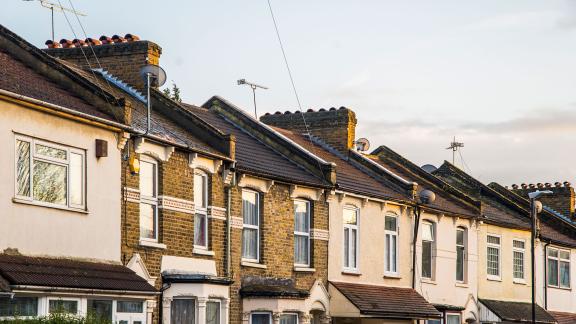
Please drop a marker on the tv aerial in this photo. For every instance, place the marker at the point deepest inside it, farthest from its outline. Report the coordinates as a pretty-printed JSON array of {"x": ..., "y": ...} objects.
[
  {"x": 254, "y": 86},
  {"x": 454, "y": 146},
  {"x": 57, "y": 7},
  {"x": 153, "y": 76}
]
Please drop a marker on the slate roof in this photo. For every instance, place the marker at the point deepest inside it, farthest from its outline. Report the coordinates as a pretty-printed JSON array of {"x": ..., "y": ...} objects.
[
  {"x": 564, "y": 318},
  {"x": 255, "y": 157},
  {"x": 253, "y": 286},
  {"x": 387, "y": 302},
  {"x": 517, "y": 311},
  {"x": 68, "y": 273}
]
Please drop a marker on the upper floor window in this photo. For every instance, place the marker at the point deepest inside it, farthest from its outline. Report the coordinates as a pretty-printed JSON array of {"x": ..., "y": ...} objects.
[
  {"x": 558, "y": 268},
  {"x": 350, "y": 238},
  {"x": 148, "y": 199},
  {"x": 302, "y": 233},
  {"x": 261, "y": 318},
  {"x": 251, "y": 228},
  {"x": 453, "y": 319},
  {"x": 50, "y": 174},
  {"x": 493, "y": 256},
  {"x": 461, "y": 252},
  {"x": 201, "y": 210},
  {"x": 289, "y": 318},
  {"x": 428, "y": 249},
  {"x": 391, "y": 244},
  {"x": 518, "y": 250}
]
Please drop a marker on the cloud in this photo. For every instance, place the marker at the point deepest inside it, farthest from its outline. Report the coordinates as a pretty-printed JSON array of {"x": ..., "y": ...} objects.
[{"x": 516, "y": 20}]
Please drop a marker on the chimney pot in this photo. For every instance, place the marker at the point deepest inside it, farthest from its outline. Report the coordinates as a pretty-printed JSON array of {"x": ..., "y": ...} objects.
[
  {"x": 332, "y": 109},
  {"x": 566, "y": 184},
  {"x": 78, "y": 42},
  {"x": 105, "y": 40},
  {"x": 310, "y": 110},
  {"x": 524, "y": 186},
  {"x": 66, "y": 43},
  {"x": 548, "y": 185},
  {"x": 118, "y": 39},
  {"x": 540, "y": 185},
  {"x": 532, "y": 186},
  {"x": 287, "y": 112},
  {"x": 557, "y": 184},
  {"x": 322, "y": 109},
  {"x": 514, "y": 186},
  {"x": 277, "y": 113},
  {"x": 131, "y": 38},
  {"x": 93, "y": 41}
]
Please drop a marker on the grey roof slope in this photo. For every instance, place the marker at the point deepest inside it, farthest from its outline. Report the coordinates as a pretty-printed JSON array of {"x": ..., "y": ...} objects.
[{"x": 517, "y": 312}]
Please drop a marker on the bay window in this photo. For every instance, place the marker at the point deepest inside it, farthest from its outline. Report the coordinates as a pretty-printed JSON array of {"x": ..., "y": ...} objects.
[
  {"x": 493, "y": 256},
  {"x": 183, "y": 311},
  {"x": 201, "y": 210},
  {"x": 461, "y": 252},
  {"x": 18, "y": 307},
  {"x": 213, "y": 312},
  {"x": 350, "y": 238},
  {"x": 391, "y": 244},
  {"x": 428, "y": 249},
  {"x": 251, "y": 227},
  {"x": 63, "y": 306},
  {"x": 50, "y": 174},
  {"x": 261, "y": 318},
  {"x": 302, "y": 233},
  {"x": 518, "y": 250},
  {"x": 289, "y": 318},
  {"x": 558, "y": 268},
  {"x": 453, "y": 319},
  {"x": 148, "y": 199}
]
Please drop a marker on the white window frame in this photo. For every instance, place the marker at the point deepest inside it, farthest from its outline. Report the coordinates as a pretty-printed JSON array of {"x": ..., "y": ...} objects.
[
  {"x": 219, "y": 309},
  {"x": 262, "y": 313},
  {"x": 499, "y": 248},
  {"x": 559, "y": 260},
  {"x": 465, "y": 254},
  {"x": 304, "y": 234},
  {"x": 432, "y": 252},
  {"x": 387, "y": 249},
  {"x": 202, "y": 209},
  {"x": 290, "y": 314},
  {"x": 523, "y": 251},
  {"x": 65, "y": 163},
  {"x": 454, "y": 314},
  {"x": 79, "y": 305},
  {"x": 249, "y": 226},
  {"x": 153, "y": 200},
  {"x": 351, "y": 227}
]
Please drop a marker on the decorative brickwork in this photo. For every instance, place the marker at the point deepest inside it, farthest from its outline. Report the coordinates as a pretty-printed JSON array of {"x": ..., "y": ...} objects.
[{"x": 175, "y": 204}]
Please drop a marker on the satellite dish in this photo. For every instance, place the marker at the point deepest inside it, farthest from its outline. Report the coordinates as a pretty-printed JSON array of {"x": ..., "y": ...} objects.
[
  {"x": 362, "y": 145},
  {"x": 157, "y": 75},
  {"x": 429, "y": 168}
]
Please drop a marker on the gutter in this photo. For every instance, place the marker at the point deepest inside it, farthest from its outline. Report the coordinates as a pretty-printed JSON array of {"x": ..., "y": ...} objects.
[
  {"x": 417, "y": 210},
  {"x": 85, "y": 290}
]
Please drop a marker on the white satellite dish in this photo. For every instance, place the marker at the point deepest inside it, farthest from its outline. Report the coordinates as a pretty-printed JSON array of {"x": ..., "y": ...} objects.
[
  {"x": 362, "y": 145},
  {"x": 156, "y": 73}
]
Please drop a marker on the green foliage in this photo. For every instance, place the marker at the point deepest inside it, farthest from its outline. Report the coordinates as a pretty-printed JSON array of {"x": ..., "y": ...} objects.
[
  {"x": 59, "y": 318},
  {"x": 173, "y": 94}
]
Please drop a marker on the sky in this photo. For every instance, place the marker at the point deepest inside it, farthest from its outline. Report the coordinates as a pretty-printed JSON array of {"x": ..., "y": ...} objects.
[{"x": 498, "y": 75}]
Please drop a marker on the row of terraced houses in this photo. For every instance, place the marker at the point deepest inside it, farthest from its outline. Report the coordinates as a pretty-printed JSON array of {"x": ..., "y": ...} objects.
[{"x": 211, "y": 216}]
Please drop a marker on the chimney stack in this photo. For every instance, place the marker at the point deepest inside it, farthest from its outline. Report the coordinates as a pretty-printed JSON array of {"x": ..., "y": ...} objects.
[
  {"x": 336, "y": 127},
  {"x": 562, "y": 200}
]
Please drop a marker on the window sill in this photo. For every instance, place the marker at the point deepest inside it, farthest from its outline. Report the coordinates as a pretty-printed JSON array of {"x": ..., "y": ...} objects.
[
  {"x": 40, "y": 204},
  {"x": 461, "y": 285},
  {"x": 428, "y": 281},
  {"x": 519, "y": 281},
  {"x": 494, "y": 278},
  {"x": 560, "y": 288},
  {"x": 155, "y": 245},
  {"x": 351, "y": 272},
  {"x": 252, "y": 264},
  {"x": 202, "y": 252},
  {"x": 392, "y": 276},
  {"x": 303, "y": 269}
]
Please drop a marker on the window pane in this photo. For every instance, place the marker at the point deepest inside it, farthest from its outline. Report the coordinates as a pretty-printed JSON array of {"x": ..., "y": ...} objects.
[
  {"x": 147, "y": 221},
  {"x": 147, "y": 179},
  {"x": 288, "y": 319},
  {"x": 50, "y": 152},
  {"x": 261, "y": 319},
  {"x": 123, "y": 306},
  {"x": 390, "y": 223},
  {"x": 387, "y": 254},
  {"x": 19, "y": 306},
  {"x": 353, "y": 248},
  {"x": 200, "y": 188},
  {"x": 460, "y": 237},
  {"x": 453, "y": 319},
  {"x": 100, "y": 310},
  {"x": 564, "y": 274},
  {"x": 23, "y": 168},
  {"x": 301, "y": 249},
  {"x": 350, "y": 216},
  {"x": 493, "y": 261},
  {"x": 76, "y": 179},
  {"x": 182, "y": 311},
  {"x": 427, "y": 259},
  {"x": 518, "y": 244},
  {"x": 250, "y": 208},
  {"x": 393, "y": 253},
  {"x": 200, "y": 230},
  {"x": 493, "y": 240},
  {"x": 552, "y": 272},
  {"x": 212, "y": 312},
  {"x": 347, "y": 247},
  {"x": 49, "y": 182},
  {"x": 63, "y": 306},
  {"x": 565, "y": 255},
  {"x": 427, "y": 232},
  {"x": 460, "y": 263},
  {"x": 301, "y": 217},
  {"x": 250, "y": 243},
  {"x": 518, "y": 265},
  {"x": 553, "y": 253}
]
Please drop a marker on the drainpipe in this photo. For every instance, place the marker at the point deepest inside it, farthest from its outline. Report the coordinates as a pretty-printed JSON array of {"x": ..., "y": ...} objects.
[
  {"x": 545, "y": 277},
  {"x": 228, "y": 240},
  {"x": 417, "y": 210}
]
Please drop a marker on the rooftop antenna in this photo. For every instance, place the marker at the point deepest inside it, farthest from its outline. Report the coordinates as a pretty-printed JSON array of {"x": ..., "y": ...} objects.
[
  {"x": 155, "y": 76},
  {"x": 52, "y": 6},
  {"x": 454, "y": 146},
  {"x": 253, "y": 86}
]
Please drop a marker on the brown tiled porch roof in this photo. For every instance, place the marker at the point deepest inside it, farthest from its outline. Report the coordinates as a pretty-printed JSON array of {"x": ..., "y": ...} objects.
[
  {"x": 19, "y": 270},
  {"x": 517, "y": 312},
  {"x": 564, "y": 318},
  {"x": 387, "y": 302}
]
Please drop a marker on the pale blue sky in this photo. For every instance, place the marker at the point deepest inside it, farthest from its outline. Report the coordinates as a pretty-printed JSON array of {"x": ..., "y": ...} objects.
[{"x": 499, "y": 75}]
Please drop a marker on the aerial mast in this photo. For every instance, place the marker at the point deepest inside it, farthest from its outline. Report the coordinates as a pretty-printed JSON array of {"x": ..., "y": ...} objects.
[
  {"x": 52, "y": 6},
  {"x": 454, "y": 146}
]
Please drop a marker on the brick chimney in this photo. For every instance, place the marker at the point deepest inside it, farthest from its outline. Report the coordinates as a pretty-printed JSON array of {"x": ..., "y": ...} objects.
[
  {"x": 562, "y": 200},
  {"x": 121, "y": 56},
  {"x": 337, "y": 127}
]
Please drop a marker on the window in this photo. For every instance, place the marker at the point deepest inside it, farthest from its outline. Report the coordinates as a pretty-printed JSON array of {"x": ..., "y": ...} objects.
[
  {"x": 251, "y": 229},
  {"x": 428, "y": 246},
  {"x": 260, "y": 318},
  {"x": 302, "y": 233},
  {"x": 50, "y": 174},
  {"x": 63, "y": 306},
  {"x": 493, "y": 256},
  {"x": 148, "y": 199},
  {"x": 213, "y": 312},
  {"x": 461, "y": 254},
  {"x": 350, "y": 238},
  {"x": 558, "y": 268},
  {"x": 123, "y": 306},
  {"x": 518, "y": 249},
  {"x": 391, "y": 248},
  {"x": 101, "y": 310},
  {"x": 182, "y": 311},
  {"x": 289, "y": 319},
  {"x": 453, "y": 319},
  {"x": 201, "y": 210},
  {"x": 434, "y": 321},
  {"x": 18, "y": 306}
]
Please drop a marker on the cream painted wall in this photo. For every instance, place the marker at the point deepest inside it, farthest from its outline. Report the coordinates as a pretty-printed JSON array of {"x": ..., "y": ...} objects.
[
  {"x": 505, "y": 288},
  {"x": 559, "y": 299},
  {"x": 47, "y": 231},
  {"x": 443, "y": 287}
]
